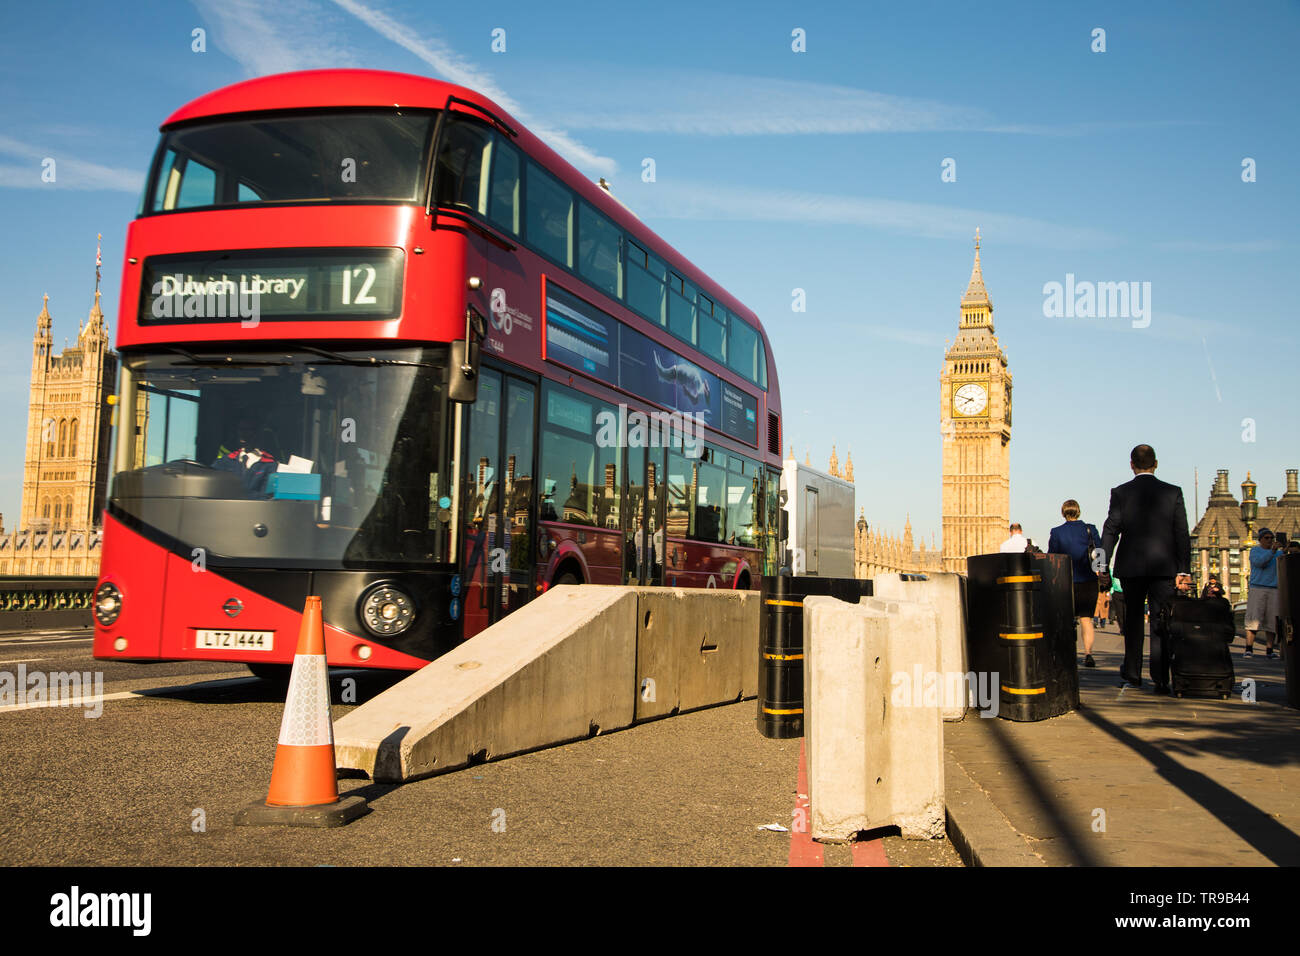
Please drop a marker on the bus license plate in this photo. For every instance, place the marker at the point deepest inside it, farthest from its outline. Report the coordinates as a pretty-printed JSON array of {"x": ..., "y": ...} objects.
[{"x": 234, "y": 640}]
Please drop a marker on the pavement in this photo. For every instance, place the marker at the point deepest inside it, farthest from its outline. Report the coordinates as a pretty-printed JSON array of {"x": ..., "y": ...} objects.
[
  {"x": 1128, "y": 779},
  {"x": 1131, "y": 778}
]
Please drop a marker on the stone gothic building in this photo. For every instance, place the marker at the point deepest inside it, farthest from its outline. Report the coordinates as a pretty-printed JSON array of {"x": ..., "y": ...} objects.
[
  {"x": 1222, "y": 537},
  {"x": 65, "y": 476},
  {"x": 876, "y": 553}
]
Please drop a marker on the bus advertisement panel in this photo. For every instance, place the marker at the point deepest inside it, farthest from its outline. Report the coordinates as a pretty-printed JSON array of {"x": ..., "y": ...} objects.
[{"x": 582, "y": 337}]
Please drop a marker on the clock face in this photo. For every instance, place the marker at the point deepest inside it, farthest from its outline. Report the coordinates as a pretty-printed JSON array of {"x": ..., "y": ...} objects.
[{"x": 970, "y": 399}]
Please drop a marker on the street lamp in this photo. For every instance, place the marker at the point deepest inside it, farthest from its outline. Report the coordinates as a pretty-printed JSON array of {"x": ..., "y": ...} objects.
[
  {"x": 1196, "y": 564},
  {"x": 1249, "y": 512}
]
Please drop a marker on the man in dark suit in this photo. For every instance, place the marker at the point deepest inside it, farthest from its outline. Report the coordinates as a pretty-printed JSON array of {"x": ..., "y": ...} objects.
[{"x": 1149, "y": 520}]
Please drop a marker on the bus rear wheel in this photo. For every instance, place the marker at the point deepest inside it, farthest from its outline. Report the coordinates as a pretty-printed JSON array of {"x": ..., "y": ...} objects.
[{"x": 568, "y": 577}]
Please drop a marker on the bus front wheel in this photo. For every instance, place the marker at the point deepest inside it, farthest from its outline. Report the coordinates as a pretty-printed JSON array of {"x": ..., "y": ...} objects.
[
  {"x": 279, "y": 673},
  {"x": 568, "y": 577}
]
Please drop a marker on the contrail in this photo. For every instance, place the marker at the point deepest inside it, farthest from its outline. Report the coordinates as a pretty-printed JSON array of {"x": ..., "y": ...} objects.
[{"x": 1213, "y": 377}]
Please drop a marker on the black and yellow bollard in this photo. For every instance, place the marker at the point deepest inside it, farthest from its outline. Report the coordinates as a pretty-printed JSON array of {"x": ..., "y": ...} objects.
[
  {"x": 1021, "y": 628},
  {"x": 781, "y": 709},
  {"x": 1288, "y": 592}
]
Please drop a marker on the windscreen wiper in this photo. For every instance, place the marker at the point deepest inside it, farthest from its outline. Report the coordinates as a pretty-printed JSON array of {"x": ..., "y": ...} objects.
[
  {"x": 226, "y": 362},
  {"x": 339, "y": 359}
]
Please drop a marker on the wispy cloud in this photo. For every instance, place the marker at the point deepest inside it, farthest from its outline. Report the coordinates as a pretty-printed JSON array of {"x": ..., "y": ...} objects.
[
  {"x": 457, "y": 69},
  {"x": 889, "y": 333},
  {"x": 69, "y": 172},
  {"x": 690, "y": 200},
  {"x": 257, "y": 37},
  {"x": 264, "y": 39},
  {"x": 1164, "y": 324},
  {"x": 1196, "y": 245},
  {"x": 718, "y": 104},
  {"x": 1187, "y": 327},
  {"x": 702, "y": 102}
]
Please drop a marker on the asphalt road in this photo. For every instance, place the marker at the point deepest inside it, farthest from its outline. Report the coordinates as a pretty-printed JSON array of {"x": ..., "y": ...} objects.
[{"x": 157, "y": 778}]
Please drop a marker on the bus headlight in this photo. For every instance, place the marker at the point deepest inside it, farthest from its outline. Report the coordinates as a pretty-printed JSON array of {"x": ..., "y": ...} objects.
[
  {"x": 386, "y": 610},
  {"x": 108, "y": 603}
]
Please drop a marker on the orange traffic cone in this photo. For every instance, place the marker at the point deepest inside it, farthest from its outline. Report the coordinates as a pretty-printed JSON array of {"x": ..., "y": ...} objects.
[{"x": 304, "y": 789}]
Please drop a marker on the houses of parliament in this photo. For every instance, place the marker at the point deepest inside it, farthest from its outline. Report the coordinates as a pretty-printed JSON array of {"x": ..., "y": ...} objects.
[{"x": 65, "y": 475}]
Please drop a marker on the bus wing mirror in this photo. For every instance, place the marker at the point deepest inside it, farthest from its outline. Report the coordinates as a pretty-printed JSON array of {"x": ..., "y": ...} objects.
[
  {"x": 463, "y": 360},
  {"x": 462, "y": 372},
  {"x": 785, "y": 525}
]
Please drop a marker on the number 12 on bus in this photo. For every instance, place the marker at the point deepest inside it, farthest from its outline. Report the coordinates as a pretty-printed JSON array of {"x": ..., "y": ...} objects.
[{"x": 381, "y": 344}]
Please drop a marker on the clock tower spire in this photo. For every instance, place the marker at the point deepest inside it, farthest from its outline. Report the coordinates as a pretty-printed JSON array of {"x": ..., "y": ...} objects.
[{"x": 975, "y": 423}]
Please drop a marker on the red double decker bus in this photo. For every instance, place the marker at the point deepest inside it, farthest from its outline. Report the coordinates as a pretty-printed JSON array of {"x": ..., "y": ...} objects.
[{"x": 381, "y": 344}]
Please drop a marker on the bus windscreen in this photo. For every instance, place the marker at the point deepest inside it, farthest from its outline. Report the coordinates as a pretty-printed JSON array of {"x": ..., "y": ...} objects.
[{"x": 292, "y": 158}]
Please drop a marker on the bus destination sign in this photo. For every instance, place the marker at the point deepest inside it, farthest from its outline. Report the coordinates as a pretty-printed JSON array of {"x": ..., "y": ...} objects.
[{"x": 263, "y": 285}]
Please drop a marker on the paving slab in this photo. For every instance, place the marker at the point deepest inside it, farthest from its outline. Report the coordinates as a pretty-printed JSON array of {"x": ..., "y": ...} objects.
[{"x": 1132, "y": 778}]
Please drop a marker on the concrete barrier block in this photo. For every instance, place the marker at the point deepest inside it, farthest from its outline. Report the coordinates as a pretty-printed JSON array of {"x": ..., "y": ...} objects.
[
  {"x": 560, "y": 668},
  {"x": 874, "y": 748},
  {"x": 693, "y": 648},
  {"x": 945, "y": 592},
  {"x": 749, "y": 666}
]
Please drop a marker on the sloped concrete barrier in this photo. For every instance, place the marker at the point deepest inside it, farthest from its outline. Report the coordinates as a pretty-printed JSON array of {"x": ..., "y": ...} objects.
[
  {"x": 945, "y": 592},
  {"x": 577, "y": 661},
  {"x": 874, "y": 736}
]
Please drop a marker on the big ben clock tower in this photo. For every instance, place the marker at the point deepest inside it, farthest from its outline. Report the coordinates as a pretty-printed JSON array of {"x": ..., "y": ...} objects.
[{"x": 975, "y": 421}]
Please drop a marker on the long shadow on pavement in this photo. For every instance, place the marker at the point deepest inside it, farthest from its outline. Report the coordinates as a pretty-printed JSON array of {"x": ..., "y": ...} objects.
[
  {"x": 1253, "y": 825},
  {"x": 1070, "y": 835}
]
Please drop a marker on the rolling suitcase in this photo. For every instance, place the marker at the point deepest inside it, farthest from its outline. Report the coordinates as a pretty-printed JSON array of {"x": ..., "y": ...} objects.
[{"x": 1199, "y": 632}]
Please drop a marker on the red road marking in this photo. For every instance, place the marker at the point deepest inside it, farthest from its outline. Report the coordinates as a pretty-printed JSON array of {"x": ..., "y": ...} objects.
[
  {"x": 803, "y": 851},
  {"x": 869, "y": 853}
]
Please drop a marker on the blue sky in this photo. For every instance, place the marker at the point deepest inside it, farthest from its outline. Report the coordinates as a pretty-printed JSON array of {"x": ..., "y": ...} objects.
[{"x": 820, "y": 171}]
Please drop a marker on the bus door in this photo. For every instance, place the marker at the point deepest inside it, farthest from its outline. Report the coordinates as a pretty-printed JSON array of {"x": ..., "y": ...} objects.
[
  {"x": 643, "y": 542},
  {"x": 480, "y": 500},
  {"x": 518, "y": 517},
  {"x": 636, "y": 565},
  {"x": 496, "y": 478},
  {"x": 655, "y": 509}
]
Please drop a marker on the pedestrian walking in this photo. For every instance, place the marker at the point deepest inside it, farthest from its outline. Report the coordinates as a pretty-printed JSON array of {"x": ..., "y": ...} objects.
[
  {"x": 1078, "y": 539},
  {"x": 1101, "y": 614},
  {"x": 1261, "y": 600},
  {"x": 1117, "y": 603},
  {"x": 1146, "y": 536},
  {"x": 1017, "y": 543}
]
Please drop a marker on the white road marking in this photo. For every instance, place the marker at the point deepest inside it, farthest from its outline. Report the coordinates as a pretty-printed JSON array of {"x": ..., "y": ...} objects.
[
  {"x": 21, "y": 660},
  {"x": 156, "y": 691},
  {"x": 128, "y": 694},
  {"x": 72, "y": 702},
  {"x": 24, "y": 641}
]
